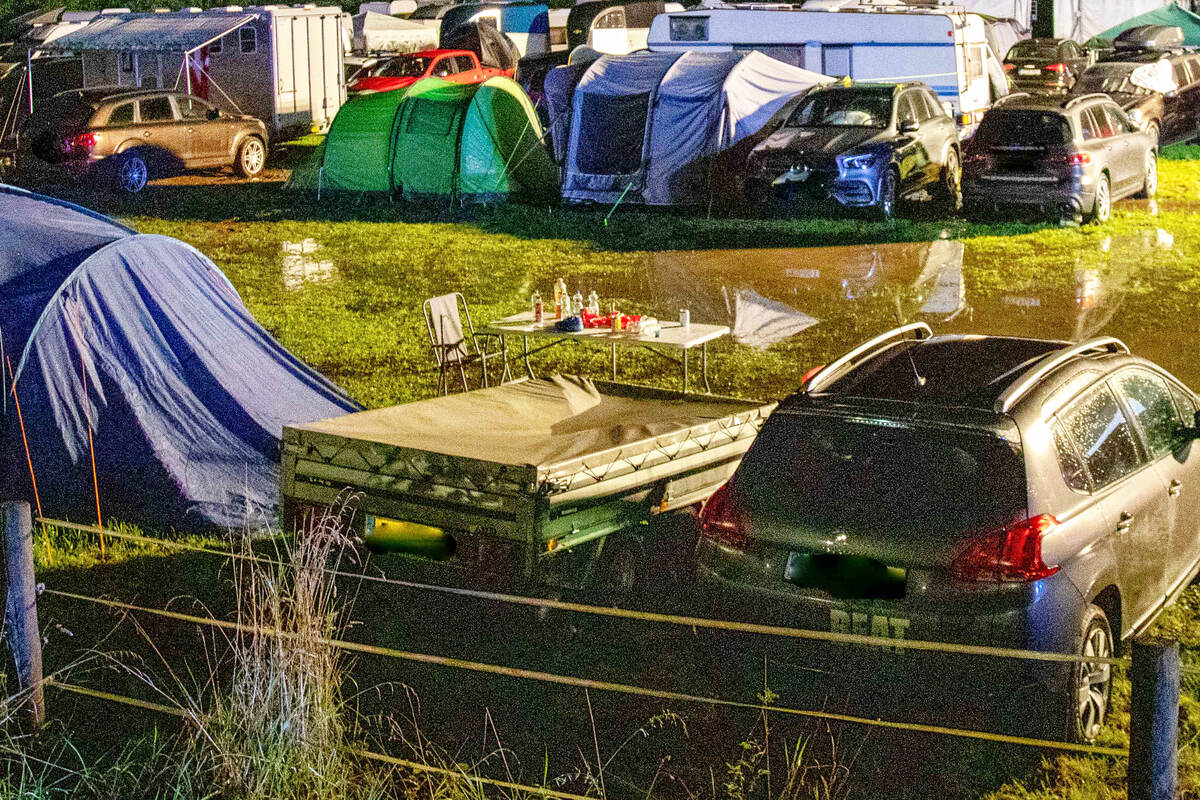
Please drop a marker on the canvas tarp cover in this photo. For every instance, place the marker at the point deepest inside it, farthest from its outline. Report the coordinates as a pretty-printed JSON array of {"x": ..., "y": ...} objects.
[
  {"x": 358, "y": 146},
  {"x": 375, "y": 32},
  {"x": 162, "y": 33},
  {"x": 528, "y": 423},
  {"x": 144, "y": 339},
  {"x": 1082, "y": 19},
  {"x": 1170, "y": 15}
]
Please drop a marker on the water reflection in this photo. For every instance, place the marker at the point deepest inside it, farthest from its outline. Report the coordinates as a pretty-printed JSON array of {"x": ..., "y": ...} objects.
[{"x": 300, "y": 266}]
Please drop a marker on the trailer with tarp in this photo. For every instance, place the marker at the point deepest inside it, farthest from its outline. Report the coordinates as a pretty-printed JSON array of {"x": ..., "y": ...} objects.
[{"x": 560, "y": 482}]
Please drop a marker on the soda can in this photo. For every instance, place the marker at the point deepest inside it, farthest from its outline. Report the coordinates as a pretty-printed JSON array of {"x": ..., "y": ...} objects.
[{"x": 685, "y": 318}]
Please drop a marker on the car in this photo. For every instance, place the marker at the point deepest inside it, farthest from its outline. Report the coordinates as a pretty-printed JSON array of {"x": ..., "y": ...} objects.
[
  {"x": 982, "y": 490},
  {"x": 864, "y": 145},
  {"x": 399, "y": 72},
  {"x": 129, "y": 137},
  {"x": 1045, "y": 65},
  {"x": 1070, "y": 156},
  {"x": 1159, "y": 88}
]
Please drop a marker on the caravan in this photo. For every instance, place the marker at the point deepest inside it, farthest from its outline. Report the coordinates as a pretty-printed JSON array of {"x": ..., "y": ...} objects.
[{"x": 943, "y": 47}]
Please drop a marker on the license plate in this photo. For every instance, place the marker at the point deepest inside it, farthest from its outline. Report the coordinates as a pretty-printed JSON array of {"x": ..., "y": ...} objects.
[
  {"x": 1029, "y": 72},
  {"x": 868, "y": 622},
  {"x": 398, "y": 536},
  {"x": 845, "y": 576}
]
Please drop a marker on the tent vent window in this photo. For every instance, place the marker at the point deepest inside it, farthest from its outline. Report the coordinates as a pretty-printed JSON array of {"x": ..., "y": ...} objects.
[
  {"x": 612, "y": 132},
  {"x": 247, "y": 39}
]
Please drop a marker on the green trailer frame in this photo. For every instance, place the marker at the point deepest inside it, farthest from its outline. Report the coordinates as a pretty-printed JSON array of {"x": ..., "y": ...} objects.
[{"x": 528, "y": 524}]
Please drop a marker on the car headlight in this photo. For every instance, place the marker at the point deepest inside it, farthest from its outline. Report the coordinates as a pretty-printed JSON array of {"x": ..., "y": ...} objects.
[{"x": 861, "y": 161}]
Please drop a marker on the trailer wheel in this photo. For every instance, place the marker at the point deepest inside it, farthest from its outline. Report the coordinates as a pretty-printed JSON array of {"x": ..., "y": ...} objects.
[{"x": 621, "y": 569}]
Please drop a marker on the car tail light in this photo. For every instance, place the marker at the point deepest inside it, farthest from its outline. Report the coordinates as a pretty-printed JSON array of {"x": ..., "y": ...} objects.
[
  {"x": 723, "y": 520},
  {"x": 1010, "y": 555},
  {"x": 1056, "y": 68},
  {"x": 83, "y": 141},
  {"x": 1009, "y": 67},
  {"x": 1079, "y": 158}
]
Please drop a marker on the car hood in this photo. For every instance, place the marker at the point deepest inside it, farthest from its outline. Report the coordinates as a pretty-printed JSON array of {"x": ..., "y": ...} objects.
[
  {"x": 818, "y": 141},
  {"x": 381, "y": 84}
]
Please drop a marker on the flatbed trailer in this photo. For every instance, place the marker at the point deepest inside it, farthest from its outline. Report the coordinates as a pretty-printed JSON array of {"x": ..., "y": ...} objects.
[{"x": 538, "y": 483}]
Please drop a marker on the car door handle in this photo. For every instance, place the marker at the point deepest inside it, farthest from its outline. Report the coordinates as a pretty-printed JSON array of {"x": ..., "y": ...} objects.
[
  {"x": 1125, "y": 523},
  {"x": 1174, "y": 488},
  {"x": 191, "y": 130},
  {"x": 146, "y": 134}
]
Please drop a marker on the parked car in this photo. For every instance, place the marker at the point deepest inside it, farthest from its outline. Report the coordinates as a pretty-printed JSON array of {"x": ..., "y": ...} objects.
[
  {"x": 1045, "y": 65},
  {"x": 1158, "y": 88},
  {"x": 132, "y": 136},
  {"x": 1071, "y": 156},
  {"x": 984, "y": 490},
  {"x": 866, "y": 145},
  {"x": 399, "y": 72}
]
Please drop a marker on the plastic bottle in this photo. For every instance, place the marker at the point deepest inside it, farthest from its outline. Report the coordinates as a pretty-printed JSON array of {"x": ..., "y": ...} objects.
[
  {"x": 615, "y": 319},
  {"x": 538, "y": 311},
  {"x": 560, "y": 298},
  {"x": 593, "y": 302},
  {"x": 577, "y": 304}
]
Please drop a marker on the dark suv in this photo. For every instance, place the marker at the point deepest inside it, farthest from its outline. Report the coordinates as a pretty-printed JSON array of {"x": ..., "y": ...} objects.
[
  {"x": 1071, "y": 156},
  {"x": 976, "y": 489},
  {"x": 863, "y": 146},
  {"x": 130, "y": 137},
  {"x": 1159, "y": 88},
  {"x": 1045, "y": 65}
]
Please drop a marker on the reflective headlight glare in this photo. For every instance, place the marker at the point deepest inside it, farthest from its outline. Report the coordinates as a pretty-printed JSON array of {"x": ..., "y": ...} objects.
[{"x": 863, "y": 161}]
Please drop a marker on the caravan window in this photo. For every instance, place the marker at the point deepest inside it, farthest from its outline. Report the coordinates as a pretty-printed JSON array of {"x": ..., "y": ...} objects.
[
  {"x": 215, "y": 46},
  {"x": 614, "y": 18},
  {"x": 836, "y": 60},
  {"x": 247, "y": 39},
  {"x": 975, "y": 62},
  {"x": 689, "y": 29}
]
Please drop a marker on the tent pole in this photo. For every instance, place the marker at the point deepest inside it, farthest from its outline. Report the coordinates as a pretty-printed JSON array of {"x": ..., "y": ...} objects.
[
  {"x": 137, "y": 73},
  {"x": 29, "y": 77},
  {"x": 187, "y": 69}
]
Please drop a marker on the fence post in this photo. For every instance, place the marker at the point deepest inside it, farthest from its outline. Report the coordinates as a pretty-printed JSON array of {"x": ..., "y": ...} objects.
[
  {"x": 1154, "y": 721},
  {"x": 20, "y": 607}
]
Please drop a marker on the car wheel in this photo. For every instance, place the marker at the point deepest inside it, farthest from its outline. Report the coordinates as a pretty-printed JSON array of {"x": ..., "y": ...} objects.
[
  {"x": 1092, "y": 684},
  {"x": 951, "y": 183},
  {"x": 251, "y": 157},
  {"x": 1152, "y": 132},
  {"x": 885, "y": 206},
  {"x": 1150, "y": 182},
  {"x": 620, "y": 569},
  {"x": 1102, "y": 207},
  {"x": 133, "y": 173}
]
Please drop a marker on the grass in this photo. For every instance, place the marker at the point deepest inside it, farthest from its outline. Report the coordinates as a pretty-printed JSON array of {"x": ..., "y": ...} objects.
[{"x": 348, "y": 301}]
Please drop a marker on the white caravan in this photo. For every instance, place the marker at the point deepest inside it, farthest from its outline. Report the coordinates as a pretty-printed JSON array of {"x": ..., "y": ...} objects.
[{"x": 943, "y": 47}]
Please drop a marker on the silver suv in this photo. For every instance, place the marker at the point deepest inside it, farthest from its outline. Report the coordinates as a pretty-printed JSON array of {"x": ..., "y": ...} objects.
[{"x": 1071, "y": 157}]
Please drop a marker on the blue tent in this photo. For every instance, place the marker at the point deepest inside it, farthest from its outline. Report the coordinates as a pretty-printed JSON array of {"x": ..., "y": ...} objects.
[{"x": 143, "y": 340}]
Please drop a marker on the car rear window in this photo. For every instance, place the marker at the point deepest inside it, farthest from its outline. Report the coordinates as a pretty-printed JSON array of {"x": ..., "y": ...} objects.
[
  {"x": 1033, "y": 50},
  {"x": 862, "y": 473},
  {"x": 1001, "y": 127}
]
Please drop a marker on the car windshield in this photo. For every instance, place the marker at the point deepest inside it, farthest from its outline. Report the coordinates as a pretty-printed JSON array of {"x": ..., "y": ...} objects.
[
  {"x": 403, "y": 67},
  {"x": 882, "y": 476},
  {"x": 1001, "y": 127},
  {"x": 1037, "y": 51},
  {"x": 854, "y": 108},
  {"x": 1108, "y": 80}
]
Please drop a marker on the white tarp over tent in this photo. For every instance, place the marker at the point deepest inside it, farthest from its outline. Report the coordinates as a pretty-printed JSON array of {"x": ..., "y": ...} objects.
[{"x": 375, "y": 32}]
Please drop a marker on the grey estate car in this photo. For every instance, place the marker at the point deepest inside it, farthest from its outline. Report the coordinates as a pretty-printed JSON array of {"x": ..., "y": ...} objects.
[
  {"x": 985, "y": 490},
  {"x": 1072, "y": 157},
  {"x": 133, "y": 136}
]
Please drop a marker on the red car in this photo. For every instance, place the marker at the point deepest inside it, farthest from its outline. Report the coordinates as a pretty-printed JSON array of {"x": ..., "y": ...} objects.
[{"x": 457, "y": 66}]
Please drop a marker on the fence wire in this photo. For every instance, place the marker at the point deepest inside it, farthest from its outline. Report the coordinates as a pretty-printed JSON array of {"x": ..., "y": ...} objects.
[{"x": 605, "y": 686}]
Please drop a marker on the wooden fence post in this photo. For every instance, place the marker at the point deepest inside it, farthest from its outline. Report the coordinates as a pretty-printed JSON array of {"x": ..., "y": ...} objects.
[
  {"x": 20, "y": 607},
  {"x": 1154, "y": 721}
]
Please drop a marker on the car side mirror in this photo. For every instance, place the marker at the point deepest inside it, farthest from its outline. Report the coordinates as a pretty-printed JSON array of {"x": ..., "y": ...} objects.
[
  {"x": 909, "y": 126},
  {"x": 214, "y": 113}
]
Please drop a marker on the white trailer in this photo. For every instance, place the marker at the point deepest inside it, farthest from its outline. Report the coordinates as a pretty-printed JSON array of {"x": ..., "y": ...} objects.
[
  {"x": 944, "y": 47},
  {"x": 282, "y": 64}
]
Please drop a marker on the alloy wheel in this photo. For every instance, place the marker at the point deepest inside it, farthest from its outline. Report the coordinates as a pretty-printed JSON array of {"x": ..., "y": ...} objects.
[
  {"x": 133, "y": 174},
  {"x": 1151, "y": 184},
  {"x": 952, "y": 184},
  {"x": 1103, "y": 207},
  {"x": 1092, "y": 682},
  {"x": 887, "y": 195},
  {"x": 253, "y": 157}
]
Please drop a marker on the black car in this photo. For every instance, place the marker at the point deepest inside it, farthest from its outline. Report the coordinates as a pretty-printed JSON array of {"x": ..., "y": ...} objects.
[
  {"x": 1045, "y": 65},
  {"x": 1158, "y": 87},
  {"x": 862, "y": 146},
  {"x": 985, "y": 490}
]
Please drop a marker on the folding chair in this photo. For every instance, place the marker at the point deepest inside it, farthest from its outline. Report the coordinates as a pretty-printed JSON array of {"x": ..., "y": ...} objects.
[{"x": 454, "y": 348}]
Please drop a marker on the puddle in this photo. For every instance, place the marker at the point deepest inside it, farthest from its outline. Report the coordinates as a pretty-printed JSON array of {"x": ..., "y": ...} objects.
[{"x": 302, "y": 265}]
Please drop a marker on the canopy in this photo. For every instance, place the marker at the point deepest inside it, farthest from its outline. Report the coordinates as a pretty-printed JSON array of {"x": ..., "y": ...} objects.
[
  {"x": 438, "y": 140},
  {"x": 142, "y": 343},
  {"x": 374, "y": 32},
  {"x": 1169, "y": 15},
  {"x": 647, "y": 124},
  {"x": 159, "y": 33}
]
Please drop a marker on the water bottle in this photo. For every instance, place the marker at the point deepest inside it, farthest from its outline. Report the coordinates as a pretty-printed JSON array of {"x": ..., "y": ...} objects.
[
  {"x": 593, "y": 303},
  {"x": 577, "y": 304}
]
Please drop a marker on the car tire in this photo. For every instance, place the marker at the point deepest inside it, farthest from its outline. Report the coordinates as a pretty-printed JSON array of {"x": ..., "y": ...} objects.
[
  {"x": 132, "y": 172},
  {"x": 251, "y": 157},
  {"x": 621, "y": 571},
  {"x": 885, "y": 206},
  {"x": 1102, "y": 206},
  {"x": 1150, "y": 181},
  {"x": 1091, "y": 684},
  {"x": 1152, "y": 132},
  {"x": 950, "y": 185}
]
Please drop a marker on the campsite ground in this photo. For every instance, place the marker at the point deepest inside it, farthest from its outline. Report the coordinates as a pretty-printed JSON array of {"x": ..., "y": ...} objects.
[{"x": 340, "y": 283}]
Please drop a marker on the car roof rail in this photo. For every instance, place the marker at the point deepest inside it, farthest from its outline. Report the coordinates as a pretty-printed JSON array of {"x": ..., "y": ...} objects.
[
  {"x": 1052, "y": 361},
  {"x": 916, "y": 331},
  {"x": 1082, "y": 97}
]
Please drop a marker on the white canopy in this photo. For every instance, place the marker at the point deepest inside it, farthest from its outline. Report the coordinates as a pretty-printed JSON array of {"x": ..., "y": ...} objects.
[
  {"x": 156, "y": 33},
  {"x": 374, "y": 32}
]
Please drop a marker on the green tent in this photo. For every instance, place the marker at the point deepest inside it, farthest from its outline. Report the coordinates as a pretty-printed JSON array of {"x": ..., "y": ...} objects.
[
  {"x": 1172, "y": 14},
  {"x": 437, "y": 140}
]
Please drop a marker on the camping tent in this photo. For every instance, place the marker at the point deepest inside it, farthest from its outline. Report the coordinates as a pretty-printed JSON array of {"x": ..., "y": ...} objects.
[
  {"x": 137, "y": 349},
  {"x": 374, "y": 32},
  {"x": 1169, "y": 15},
  {"x": 439, "y": 140},
  {"x": 645, "y": 125}
]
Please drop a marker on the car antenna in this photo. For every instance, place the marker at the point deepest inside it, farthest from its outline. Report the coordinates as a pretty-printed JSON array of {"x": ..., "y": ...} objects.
[{"x": 920, "y": 379}]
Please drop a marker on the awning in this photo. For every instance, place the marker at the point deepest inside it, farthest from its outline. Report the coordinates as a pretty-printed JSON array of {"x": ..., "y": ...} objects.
[{"x": 155, "y": 33}]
